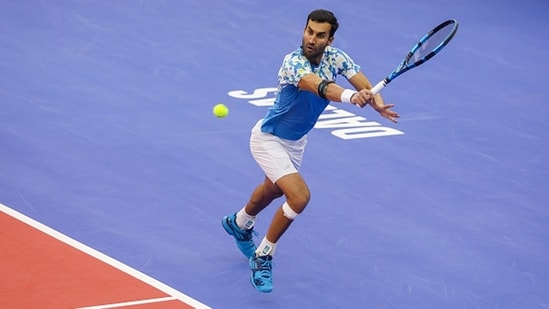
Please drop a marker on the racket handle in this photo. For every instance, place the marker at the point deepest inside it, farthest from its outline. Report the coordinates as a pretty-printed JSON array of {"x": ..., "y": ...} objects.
[{"x": 377, "y": 88}]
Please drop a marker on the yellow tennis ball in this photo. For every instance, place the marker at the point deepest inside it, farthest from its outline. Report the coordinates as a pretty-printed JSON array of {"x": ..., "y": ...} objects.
[{"x": 221, "y": 111}]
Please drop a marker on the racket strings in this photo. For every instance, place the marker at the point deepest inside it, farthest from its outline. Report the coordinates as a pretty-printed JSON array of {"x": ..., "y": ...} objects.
[{"x": 431, "y": 43}]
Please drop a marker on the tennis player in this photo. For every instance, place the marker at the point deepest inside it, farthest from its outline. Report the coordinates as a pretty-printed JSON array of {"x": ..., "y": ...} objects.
[{"x": 306, "y": 86}]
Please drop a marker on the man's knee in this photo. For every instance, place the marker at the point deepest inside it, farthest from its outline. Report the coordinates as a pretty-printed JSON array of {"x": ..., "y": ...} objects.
[
  {"x": 295, "y": 205},
  {"x": 288, "y": 211},
  {"x": 295, "y": 190},
  {"x": 298, "y": 200}
]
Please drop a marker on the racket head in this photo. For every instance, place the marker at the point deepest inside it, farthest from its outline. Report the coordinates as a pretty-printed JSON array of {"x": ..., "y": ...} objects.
[{"x": 427, "y": 47}]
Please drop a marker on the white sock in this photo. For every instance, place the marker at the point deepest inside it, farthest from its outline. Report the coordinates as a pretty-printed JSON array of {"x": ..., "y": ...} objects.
[
  {"x": 244, "y": 220},
  {"x": 265, "y": 248}
]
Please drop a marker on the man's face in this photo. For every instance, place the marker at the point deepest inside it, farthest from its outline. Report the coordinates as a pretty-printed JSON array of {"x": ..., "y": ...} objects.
[{"x": 315, "y": 38}]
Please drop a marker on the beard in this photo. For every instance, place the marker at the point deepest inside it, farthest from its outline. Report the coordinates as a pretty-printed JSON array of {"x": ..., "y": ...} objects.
[{"x": 313, "y": 52}]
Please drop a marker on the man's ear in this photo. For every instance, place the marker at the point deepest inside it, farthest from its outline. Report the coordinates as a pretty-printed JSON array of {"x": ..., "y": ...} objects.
[{"x": 331, "y": 40}]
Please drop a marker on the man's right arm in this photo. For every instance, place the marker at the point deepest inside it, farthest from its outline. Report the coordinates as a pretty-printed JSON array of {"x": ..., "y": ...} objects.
[{"x": 333, "y": 91}]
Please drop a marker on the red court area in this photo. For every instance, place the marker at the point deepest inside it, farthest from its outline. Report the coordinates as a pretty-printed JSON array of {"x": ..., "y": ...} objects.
[{"x": 41, "y": 268}]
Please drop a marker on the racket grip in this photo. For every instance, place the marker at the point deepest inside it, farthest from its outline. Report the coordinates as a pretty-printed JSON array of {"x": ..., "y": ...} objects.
[{"x": 377, "y": 88}]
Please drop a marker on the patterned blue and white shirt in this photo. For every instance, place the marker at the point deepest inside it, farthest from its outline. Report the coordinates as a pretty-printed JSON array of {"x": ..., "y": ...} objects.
[{"x": 296, "y": 111}]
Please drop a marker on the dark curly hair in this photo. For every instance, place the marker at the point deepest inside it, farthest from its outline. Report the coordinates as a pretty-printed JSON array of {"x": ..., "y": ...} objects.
[{"x": 324, "y": 16}]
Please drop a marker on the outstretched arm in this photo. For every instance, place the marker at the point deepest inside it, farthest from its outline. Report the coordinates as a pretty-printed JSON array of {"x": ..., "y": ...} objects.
[
  {"x": 335, "y": 92},
  {"x": 360, "y": 81}
]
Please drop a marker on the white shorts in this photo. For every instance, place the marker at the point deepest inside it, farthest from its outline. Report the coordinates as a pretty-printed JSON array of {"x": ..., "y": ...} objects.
[{"x": 276, "y": 156}]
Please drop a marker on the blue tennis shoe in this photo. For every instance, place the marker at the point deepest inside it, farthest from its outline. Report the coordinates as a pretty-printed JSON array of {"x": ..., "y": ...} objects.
[
  {"x": 262, "y": 273},
  {"x": 244, "y": 238}
]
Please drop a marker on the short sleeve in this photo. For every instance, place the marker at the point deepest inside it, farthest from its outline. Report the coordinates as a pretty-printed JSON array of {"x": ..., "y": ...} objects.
[
  {"x": 346, "y": 66},
  {"x": 294, "y": 67}
]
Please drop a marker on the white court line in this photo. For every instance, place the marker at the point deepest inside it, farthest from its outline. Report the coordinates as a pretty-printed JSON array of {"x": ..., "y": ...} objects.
[
  {"x": 130, "y": 303},
  {"x": 104, "y": 258}
]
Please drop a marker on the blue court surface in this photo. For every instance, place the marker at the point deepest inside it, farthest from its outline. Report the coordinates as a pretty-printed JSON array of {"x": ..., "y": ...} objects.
[{"x": 107, "y": 136}]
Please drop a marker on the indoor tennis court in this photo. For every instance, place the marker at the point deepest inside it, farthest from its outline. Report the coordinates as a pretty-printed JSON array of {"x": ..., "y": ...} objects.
[{"x": 114, "y": 174}]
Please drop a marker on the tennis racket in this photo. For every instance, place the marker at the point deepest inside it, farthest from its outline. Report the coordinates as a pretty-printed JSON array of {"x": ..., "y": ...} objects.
[{"x": 429, "y": 45}]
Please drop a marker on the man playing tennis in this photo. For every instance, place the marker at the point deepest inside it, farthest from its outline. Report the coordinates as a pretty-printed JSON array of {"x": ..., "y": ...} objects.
[{"x": 306, "y": 86}]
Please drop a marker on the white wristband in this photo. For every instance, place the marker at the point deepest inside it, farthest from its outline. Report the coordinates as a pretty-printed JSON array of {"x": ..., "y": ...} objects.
[{"x": 346, "y": 95}]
